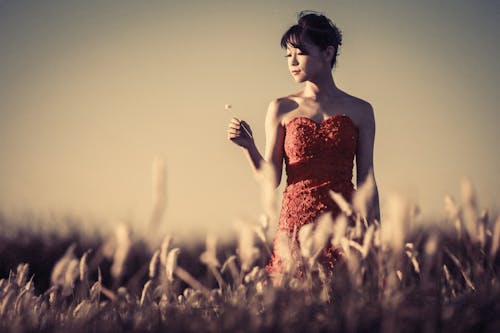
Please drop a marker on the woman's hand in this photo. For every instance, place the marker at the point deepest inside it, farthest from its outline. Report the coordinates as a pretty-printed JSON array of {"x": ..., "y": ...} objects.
[{"x": 240, "y": 133}]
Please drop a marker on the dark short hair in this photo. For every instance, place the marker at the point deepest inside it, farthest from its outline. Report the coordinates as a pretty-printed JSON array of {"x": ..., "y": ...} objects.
[{"x": 316, "y": 28}]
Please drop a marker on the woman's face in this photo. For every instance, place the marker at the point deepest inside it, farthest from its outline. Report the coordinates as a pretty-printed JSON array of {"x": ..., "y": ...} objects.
[{"x": 307, "y": 63}]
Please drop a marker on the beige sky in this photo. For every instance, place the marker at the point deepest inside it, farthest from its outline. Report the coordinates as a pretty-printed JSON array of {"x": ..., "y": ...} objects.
[{"x": 92, "y": 91}]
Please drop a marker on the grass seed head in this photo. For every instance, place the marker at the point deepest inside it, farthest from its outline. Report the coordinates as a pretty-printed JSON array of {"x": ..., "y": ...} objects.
[
  {"x": 224, "y": 267},
  {"x": 59, "y": 269},
  {"x": 154, "y": 265},
  {"x": 495, "y": 239},
  {"x": 323, "y": 230},
  {"x": 470, "y": 209},
  {"x": 264, "y": 222},
  {"x": 146, "y": 295},
  {"x": 72, "y": 273},
  {"x": 165, "y": 244},
  {"x": 253, "y": 275},
  {"x": 95, "y": 292},
  {"x": 123, "y": 245},
  {"x": 22, "y": 274},
  {"x": 339, "y": 229},
  {"x": 306, "y": 240},
  {"x": 363, "y": 197},
  {"x": 395, "y": 226},
  {"x": 367, "y": 240},
  {"x": 283, "y": 250},
  {"x": 431, "y": 245},
  {"x": 83, "y": 310},
  {"x": 341, "y": 202},
  {"x": 209, "y": 257},
  {"x": 84, "y": 269},
  {"x": 451, "y": 208},
  {"x": 247, "y": 252},
  {"x": 172, "y": 263}
]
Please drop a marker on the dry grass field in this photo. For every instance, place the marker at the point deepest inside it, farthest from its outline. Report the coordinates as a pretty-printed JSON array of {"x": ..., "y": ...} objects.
[{"x": 398, "y": 276}]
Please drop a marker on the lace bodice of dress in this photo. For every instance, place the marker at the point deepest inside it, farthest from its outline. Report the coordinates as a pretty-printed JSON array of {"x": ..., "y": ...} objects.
[{"x": 317, "y": 152}]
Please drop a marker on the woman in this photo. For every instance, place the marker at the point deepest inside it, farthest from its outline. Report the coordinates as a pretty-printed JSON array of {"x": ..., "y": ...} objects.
[{"x": 317, "y": 131}]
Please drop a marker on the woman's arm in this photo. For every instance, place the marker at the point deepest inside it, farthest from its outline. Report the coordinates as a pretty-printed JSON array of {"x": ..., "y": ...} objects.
[
  {"x": 274, "y": 142},
  {"x": 275, "y": 138},
  {"x": 364, "y": 158}
]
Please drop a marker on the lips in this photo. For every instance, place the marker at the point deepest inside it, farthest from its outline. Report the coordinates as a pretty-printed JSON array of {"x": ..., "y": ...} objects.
[{"x": 295, "y": 71}]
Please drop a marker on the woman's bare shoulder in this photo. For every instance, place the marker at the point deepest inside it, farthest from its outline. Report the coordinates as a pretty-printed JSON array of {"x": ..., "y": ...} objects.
[
  {"x": 281, "y": 106},
  {"x": 356, "y": 102},
  {"x": 361, "y": 109}
]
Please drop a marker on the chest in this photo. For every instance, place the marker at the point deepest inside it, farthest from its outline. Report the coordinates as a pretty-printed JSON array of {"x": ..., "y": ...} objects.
[{"x": 307, "y": 139}]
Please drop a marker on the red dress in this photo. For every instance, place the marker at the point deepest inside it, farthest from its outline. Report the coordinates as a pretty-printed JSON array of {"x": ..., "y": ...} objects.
[{"x": 318, "y": 157}]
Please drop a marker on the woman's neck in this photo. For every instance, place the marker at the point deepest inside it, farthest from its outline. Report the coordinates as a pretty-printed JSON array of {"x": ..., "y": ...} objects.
[{"x": 321, "y": 88}]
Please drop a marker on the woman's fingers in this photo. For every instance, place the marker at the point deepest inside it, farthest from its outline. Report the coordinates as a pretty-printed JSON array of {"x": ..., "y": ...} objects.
[
  {"x": 233, "y": 135},
  {"x": 234, "y": 131},
  {"x": 237, "y": 129},
  {"x": 235, "y": 123}
]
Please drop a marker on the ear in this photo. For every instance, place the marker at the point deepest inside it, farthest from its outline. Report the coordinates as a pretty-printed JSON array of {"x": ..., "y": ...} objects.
[{"x": 330, "y": 52}]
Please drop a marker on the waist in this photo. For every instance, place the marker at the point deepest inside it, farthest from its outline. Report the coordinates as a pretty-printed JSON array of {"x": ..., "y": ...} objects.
[
  {"x": 313, "y": 173},
  {"x": 315, "y": 187}
]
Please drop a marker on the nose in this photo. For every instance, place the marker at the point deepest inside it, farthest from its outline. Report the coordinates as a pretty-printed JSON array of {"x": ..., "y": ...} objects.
[{"x": 293, "y": 60}]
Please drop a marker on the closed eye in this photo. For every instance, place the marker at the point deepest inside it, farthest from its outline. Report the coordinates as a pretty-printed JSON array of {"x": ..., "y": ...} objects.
[{"x": 300, "y": 53}]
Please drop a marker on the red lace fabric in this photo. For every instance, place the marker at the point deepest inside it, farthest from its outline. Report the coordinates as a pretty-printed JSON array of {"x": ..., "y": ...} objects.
[{"x": 318, "y": 157}]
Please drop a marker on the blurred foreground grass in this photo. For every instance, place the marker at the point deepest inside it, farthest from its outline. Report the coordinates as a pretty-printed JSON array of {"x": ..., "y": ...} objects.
[{"x": 401, "y": 276}]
